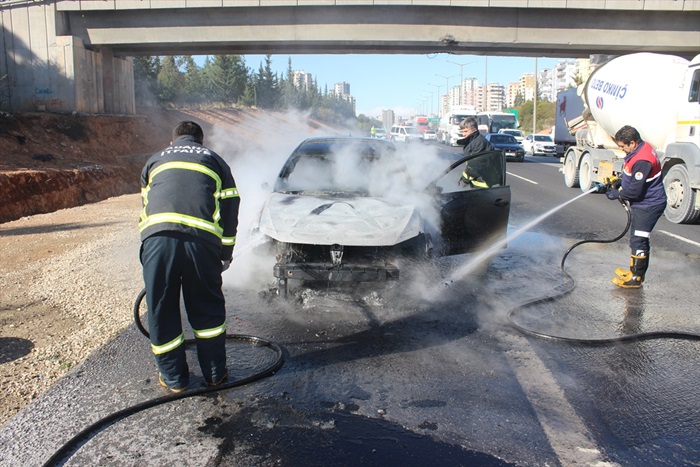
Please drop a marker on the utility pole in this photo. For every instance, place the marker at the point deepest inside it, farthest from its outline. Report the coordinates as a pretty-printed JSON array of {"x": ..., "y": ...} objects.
[
  {"x": 486, "y": 83},
  {"x": 438, "y": 95},
  {"x": 461, "y": 77},
  {"x": 431, "y": 101},
  {"x": 534, "y": 103},
  {"x": 447, "y": 87}
]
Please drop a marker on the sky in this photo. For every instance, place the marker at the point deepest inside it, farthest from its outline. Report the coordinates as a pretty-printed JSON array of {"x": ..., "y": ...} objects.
[{"x": 406, "y": 84}]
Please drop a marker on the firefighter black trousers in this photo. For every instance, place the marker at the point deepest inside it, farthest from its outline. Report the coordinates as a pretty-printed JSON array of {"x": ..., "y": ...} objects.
[
  {"x": 643, "y": 222},
  {"x": 174, "y": 263}
]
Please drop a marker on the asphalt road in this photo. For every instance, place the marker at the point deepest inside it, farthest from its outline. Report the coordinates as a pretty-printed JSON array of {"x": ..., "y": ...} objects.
[{"x": 430, "y": 371}]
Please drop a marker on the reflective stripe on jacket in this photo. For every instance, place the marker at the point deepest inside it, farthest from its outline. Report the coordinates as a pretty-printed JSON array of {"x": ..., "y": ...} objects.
[{"x": 188, "y": 188}]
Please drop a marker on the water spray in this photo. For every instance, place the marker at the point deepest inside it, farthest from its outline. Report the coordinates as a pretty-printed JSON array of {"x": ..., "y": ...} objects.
[{"x": 493, "y": 249}]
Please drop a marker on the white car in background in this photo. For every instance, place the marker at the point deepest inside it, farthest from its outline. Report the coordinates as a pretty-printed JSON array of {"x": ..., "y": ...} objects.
[
  {"x": 517, "y": 134},
  {"x": 430, "y": 135},
  {"x": 539, "y": 145},
  {"x": 404, "y": 134}
]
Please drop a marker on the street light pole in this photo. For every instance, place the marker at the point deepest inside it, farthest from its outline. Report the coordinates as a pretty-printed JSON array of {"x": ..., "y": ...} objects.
[
  {"x": 461, "y": 77},
  {"x": 438, "y": 94},
  {"x": 431, "y": 101},
  {"x": 534, "y": 103},
  {"x": 486, "y": 83},
  {"x": 447, "y": 86}
]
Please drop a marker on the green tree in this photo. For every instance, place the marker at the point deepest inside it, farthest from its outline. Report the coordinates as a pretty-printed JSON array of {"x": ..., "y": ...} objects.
[
  {"x": 194, "y": 88},
  {"x": 146, "y": 71},
  {"x": 226, "y": 77},
  {"x": 170, "y": 80},
  {"x": 267, "y": 86},
  {"x": 545, "y": 116},
  {"x": 291, "y": 96},
  {"x": 519, "y": 100}
]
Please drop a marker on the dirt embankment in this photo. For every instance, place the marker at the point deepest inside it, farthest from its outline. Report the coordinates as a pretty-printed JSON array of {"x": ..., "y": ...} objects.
[
  {"x": 50, "y": 162},
  {"x": 53, "y": 161}
]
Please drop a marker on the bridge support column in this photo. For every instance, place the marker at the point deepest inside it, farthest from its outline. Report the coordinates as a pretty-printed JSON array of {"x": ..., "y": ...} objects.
[
  {"x": 47, "y": 69},
  {"x": 89, "y": 81}
]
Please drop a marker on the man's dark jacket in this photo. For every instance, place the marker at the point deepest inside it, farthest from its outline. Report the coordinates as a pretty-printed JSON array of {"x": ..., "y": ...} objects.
[
  {"x": 475, "y": 144},
  {"x": 189, "y": 189}
]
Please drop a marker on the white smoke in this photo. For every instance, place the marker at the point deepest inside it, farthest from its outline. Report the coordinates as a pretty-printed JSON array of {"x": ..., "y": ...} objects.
[{"x": 257, "y": 148}]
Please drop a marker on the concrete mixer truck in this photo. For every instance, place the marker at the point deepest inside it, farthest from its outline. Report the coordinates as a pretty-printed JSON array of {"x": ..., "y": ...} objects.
[{"x": 658, "y": 95}]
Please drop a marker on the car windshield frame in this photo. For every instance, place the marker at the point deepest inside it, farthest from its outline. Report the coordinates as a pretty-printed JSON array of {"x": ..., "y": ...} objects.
[
  {"x": 342, "y": 166},
  {"x": 543, "y": 138}
]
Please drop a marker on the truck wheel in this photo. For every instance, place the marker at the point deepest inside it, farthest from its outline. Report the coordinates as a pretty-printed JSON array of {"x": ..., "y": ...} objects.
[
  {"x": 585, "y": 173},
  {"x": 570, "y": 170},
  {"x": 680, "y": 208}
]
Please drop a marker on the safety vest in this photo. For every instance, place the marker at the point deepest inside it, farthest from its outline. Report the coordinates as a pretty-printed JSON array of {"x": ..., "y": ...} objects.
[{"x": 652, "y": 190}]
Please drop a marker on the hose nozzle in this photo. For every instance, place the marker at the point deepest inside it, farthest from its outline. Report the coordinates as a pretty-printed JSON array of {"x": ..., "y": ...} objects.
[
  {"x": 599, "y": 188},
  {"x": 612, "y": 182}
]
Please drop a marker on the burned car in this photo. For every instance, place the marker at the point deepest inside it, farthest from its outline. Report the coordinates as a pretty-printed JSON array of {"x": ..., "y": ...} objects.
[{"x": 347, "y": 210}]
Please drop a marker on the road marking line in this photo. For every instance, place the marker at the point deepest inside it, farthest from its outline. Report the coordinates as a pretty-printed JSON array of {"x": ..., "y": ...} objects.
[
  {"x": 522, "y": 178},
  {"x": 678, "y": 237},
  {"x": 567, "y": 433}
]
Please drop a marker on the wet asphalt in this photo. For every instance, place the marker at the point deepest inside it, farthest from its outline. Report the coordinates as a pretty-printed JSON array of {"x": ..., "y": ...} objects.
[{"x": 427, "y": 371}]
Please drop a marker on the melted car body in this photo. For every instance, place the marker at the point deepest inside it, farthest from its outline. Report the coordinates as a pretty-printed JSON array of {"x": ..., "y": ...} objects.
[{"x": 345, "y": 209}]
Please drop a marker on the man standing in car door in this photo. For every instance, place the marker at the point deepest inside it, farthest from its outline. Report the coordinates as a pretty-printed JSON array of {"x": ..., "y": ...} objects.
[{"x": 474, "y": 143}]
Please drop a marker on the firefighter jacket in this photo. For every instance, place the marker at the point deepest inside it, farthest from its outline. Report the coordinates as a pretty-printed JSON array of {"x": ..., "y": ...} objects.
[
  {"x": 475, "y": 144},
  {"x": 189, "y": 189},
  {"x": 641, "y": 178}
]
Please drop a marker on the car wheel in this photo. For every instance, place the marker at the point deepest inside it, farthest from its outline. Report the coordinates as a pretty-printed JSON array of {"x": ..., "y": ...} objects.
[{"x": 680, "y": 208}]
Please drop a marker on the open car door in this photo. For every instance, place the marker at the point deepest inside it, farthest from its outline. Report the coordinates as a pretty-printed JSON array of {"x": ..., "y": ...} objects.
[{"x": 474, "y": 215}]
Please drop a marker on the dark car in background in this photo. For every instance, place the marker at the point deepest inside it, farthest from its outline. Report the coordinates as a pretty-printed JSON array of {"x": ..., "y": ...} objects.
[
  {"x": 508, "y": 145},
  {"x": 347, "y": 209}
]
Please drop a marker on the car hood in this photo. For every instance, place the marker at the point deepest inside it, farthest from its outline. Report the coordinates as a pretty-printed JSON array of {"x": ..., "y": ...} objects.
[{"x": 327, "y": 220}]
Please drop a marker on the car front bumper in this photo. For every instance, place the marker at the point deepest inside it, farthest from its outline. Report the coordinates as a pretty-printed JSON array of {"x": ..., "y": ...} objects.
[{"x": 324, "y": 272}]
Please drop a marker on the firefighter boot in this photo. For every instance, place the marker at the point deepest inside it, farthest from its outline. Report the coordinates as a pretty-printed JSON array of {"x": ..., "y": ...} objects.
[
  {"x": 640, "y": 264},
  {"x": 625, "y": 274}
]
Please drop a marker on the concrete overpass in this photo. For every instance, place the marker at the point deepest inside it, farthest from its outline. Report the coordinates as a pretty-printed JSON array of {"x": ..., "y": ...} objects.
[{"x": 74, "y": 55}]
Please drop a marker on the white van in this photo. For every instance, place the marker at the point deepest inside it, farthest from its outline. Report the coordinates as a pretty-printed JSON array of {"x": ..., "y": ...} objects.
[{"x": 404, "y": 134}]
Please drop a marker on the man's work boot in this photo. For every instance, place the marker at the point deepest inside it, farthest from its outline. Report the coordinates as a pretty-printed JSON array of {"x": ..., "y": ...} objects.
[
  {"x": 624, "y": 274},
  {"x": 640, "y": 264}
]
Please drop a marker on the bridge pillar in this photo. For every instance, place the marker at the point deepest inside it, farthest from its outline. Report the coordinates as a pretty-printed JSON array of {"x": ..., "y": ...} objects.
[{"x": 48, "y": 72}]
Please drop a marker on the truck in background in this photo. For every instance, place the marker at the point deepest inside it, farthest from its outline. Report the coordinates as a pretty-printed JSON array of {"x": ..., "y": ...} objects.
[
  {"x": 448, "y": 131},
  {"x": 569, "y": 108},
  {"x": 492, "y": 122},
  {"x": 657, "y": 94},
  {"x": 420, "y": 123}
]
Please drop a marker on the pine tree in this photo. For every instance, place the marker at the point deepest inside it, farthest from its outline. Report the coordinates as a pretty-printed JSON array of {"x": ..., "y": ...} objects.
[{"x": 170, "y": 80}]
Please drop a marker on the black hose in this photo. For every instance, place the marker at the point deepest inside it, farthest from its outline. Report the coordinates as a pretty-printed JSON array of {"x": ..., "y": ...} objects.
[
  {"x": 75, "y": 443},
  {"x": 569, "y": 284}
]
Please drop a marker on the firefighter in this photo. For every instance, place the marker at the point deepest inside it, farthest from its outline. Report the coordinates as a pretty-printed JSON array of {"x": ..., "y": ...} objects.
[
  {"x": 474, "y": 143},
  {"x": 642, "y": 187},
  {"x": 188, "y": 229}
]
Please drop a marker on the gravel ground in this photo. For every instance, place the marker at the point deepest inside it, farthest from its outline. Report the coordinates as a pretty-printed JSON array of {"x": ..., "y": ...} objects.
[{"x": 69, "y": 280}]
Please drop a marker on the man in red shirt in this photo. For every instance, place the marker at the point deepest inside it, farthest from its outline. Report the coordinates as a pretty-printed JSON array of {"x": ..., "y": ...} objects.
[{"x": 642, "y": 187}]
